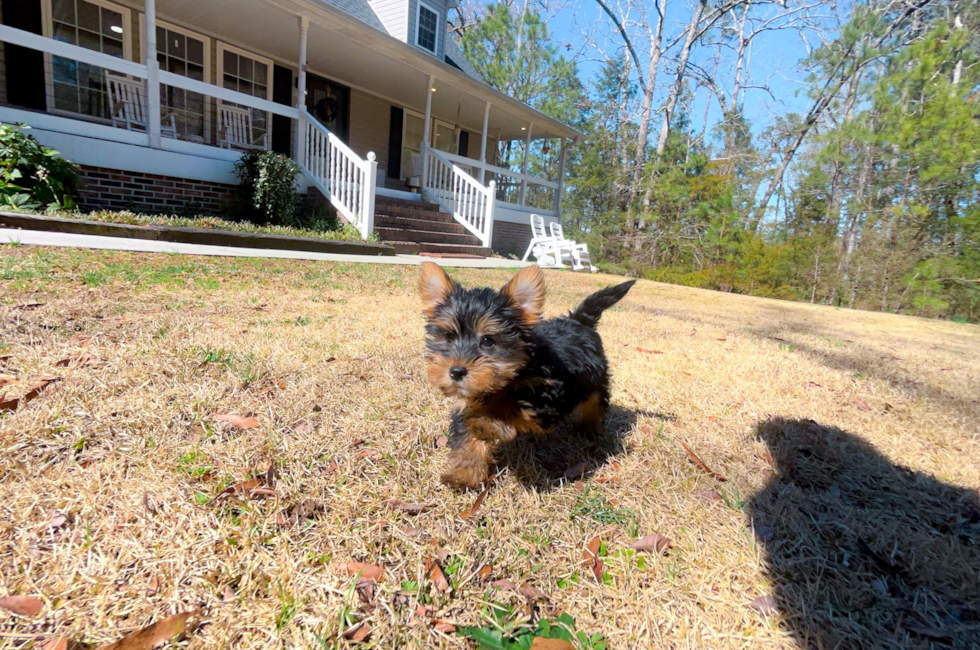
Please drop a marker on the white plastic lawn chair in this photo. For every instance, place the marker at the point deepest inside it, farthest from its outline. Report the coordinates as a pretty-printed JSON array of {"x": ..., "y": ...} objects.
[
  {"x": 543, "y": 246},
  {"x": 235, "y": 129},
  {"x": 127, "y": 105},
  {"x": 571, "y": 251}
]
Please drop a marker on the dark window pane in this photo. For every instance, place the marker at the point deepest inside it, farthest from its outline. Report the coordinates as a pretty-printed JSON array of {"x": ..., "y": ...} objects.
[
  {"x": 113, "y": 47},
  {"x": 261, "y": 73},
  {"x": 261, "y": 91},
  {"x": 195, "y": 71},
  {"x": 89, "y": 40},
  {"x": 64, "y": 33},
  {"x": 177, "y": 67},
  {"x": 195, "y": 51},
  {"x": 245, "y": 87},
  {"x": 230, "y": 82},
  {"x": 230, "y": 63},
  {"x": 112, "y": 24},
  {"x": 245, "y": 68},
  {"x": 66, "y": 97},
  {"x": 63, "y": 10},
  {"x": 175, "y": 44},
  {"x": 161, "y": 39},
  {"x": 64, "y": 70},
  {"x": 88, "y": 16}
]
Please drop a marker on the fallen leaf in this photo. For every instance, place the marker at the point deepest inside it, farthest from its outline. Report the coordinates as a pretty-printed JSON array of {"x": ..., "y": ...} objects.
[
  {"x": 434, "y": 572},
  {"x": 411, "y": 532},
  {"x": 251, "y": 489},
  {"x": 530, "y": 591},
  {"x": 776, "y": 338},
  {"x": 861, "y": 404},
  {"x": 331, "y": 467},
  {"x": 8, "y": 404},
  {"x": 591, "y": 559},
  {"x": 57, "y": 519},
  {"x": 296, "y": 513},
  {"x": 701, "y": 464},
  {"x": 238, "y": 421},
  {"x": 421, "y": 614},
  {"x": 22, "y": 605},
  {"x": 709, "y": 495},
  {"x": 32, "y": 392},
  {"x": 441, "y": 441},
  {"x": 365, "y": 590},
  {"x": 368, "y": 453},
  {"x": 541, "y": 643},
  {"x": 7, "y": 379},
  {"x": 765, "y": 605},
  {"x": 80, "y": 359},
  {"x": 29, "y": 305},
  {"x": 444, "y": 627},
  {"x": 576, "y": 470},
  {"x": 369, "y": 571},
  {"x": 156, "y": 634},
  {"x": 648, "y": 351},
  {"x": 303, "y": 429},
  {"x": 227, "y": 593},
  {"x": 153, "y": 586},
  {"x": 653, "y": 542},
  {"x": 469, "y": 512},
  {"x": 408, "y": 508},
  {"x": 607, "y": 479},
  {"x": 57, "y": 643},
  {"x": 722, "y": 339},
  {"x": 504, "y": 584},
  {"x": 358, "y": 633},
  {"x": 152, "y": 503},
  {"x": 484, "y": 573},
  {"x": 579, "y": 485},
  {"x": 357, "y": 443}
]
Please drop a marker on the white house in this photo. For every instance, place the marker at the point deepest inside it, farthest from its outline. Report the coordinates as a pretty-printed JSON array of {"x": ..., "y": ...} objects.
[{"x": 156, "y": 99}]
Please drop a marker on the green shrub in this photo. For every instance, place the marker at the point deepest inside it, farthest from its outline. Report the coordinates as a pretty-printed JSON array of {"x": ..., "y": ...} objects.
[
  {"x": 267, "y": 186},
  {"x": 33, "y": 176}
]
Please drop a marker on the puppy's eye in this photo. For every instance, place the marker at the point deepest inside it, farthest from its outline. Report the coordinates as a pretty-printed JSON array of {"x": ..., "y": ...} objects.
[
  {"x": 450, "y": 336},
  {"x": 486, "y": 342}
]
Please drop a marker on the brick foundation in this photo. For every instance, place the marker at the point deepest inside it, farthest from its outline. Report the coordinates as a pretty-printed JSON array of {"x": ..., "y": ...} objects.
[
  {"x": 511, "y": 238},
  {"x": 112, "y": 189}
]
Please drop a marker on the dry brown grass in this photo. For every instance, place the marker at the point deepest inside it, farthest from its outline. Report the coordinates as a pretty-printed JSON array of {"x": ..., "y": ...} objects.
[{"x": 324, "y": 355}]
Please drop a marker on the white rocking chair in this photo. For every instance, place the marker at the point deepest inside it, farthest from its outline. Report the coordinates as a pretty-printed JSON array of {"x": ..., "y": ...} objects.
[
  {"x": 571, "y": 251},
  {"x": 543, "y": 246},
  {"x": 235, "y": 129},
  {"x": 127, "y": 105}
]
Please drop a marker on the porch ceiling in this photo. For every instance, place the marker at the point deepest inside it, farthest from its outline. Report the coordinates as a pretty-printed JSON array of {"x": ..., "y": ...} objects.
[{"x": 342, "y": 48}]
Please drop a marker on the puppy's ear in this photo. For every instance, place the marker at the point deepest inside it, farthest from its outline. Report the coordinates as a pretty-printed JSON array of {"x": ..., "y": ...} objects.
[
  {"x": 435, "y": 286},
  {"x": 526, "y": 291}
]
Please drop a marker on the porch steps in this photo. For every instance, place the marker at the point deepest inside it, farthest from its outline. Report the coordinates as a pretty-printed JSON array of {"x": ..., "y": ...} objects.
[{"x": 420, "y": 227}]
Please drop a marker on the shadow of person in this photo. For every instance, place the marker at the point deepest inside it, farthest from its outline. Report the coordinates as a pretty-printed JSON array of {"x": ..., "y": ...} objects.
[
  {"x": 863, "y": 553},
  {"x": 542, "y": 462}
]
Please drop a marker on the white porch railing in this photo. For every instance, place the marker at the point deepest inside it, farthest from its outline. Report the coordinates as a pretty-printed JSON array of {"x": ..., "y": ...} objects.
[
  {"x": 459, "y": 194},
  {"x": 343, "y": 176},
  {"x": 513, "y": 188}
]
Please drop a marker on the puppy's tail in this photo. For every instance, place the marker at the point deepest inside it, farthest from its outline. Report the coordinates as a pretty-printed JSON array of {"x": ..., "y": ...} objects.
[{"x": 591, "y": 309}]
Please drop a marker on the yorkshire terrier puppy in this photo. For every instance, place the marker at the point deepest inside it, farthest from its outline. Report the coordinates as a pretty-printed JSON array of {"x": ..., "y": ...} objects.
[{"x": 511, "y": 372}]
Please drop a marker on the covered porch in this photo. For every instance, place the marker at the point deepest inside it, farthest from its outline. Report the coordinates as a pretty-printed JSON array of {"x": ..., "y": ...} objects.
[{"x": 378, "y": 116}]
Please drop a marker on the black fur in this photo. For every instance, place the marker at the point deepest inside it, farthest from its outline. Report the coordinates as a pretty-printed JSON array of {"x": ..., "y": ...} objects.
[{"x": 591, "y": 309}]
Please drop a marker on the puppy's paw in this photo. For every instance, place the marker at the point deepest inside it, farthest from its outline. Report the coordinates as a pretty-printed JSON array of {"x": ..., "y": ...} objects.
[{"x": 465, "y": 471}]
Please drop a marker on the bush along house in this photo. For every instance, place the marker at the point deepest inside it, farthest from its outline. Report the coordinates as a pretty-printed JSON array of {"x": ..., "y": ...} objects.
[{"x": 156, "y": 99}]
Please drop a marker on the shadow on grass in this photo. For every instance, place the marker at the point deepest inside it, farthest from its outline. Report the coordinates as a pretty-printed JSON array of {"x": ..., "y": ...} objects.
[
  {"x": 543, "y": 462},
  {"x": 865, "y": 553}
]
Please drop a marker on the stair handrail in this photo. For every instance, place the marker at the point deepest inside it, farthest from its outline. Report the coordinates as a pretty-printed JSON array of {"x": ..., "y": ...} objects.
[
  {"x": 347, "y": 180},
  {"x": 469, "y": 201}
]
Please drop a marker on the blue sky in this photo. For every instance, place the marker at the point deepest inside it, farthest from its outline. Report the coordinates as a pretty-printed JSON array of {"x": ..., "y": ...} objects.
[{"x": 774, "y": 61}]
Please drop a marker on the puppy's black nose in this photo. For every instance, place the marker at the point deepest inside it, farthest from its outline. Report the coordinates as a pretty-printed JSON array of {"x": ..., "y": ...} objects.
[{"x": 456, "y": 373}]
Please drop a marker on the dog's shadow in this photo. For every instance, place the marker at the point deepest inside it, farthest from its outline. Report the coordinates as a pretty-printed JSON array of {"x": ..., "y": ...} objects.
[{"x": 543, "y": 463}]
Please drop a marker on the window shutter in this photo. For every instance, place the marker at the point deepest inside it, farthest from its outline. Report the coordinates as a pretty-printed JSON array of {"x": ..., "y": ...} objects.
[
  {"x": 395, "y": 143},
  {"x": 464, "y": 143}
]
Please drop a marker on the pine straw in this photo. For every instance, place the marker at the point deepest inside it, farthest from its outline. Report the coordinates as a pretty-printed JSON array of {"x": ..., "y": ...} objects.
[{"x": 324, "y": 355}]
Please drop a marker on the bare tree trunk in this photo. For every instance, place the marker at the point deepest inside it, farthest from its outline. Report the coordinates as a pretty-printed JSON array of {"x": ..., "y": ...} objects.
[
  {"x": 743, "y": 45},
  {"x": 646, "y": 113},
  {"x": 675, "y": 91}
]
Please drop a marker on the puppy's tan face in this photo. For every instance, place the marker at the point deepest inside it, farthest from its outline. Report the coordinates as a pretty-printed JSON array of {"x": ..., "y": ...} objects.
[{"x": 474, "y": 337}]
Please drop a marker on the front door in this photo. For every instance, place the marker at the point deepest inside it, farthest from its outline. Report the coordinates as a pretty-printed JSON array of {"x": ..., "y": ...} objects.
[{"x": 329, "y": 103}]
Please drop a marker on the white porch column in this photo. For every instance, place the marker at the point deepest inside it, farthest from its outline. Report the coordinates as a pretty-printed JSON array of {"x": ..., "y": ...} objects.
[
  {"x": 483, "y": 144},
  {"x": 152, "y": 75},
  {"x": 304, "y": 28},
  {"x": 561, "y": 179},
  {"x": 429, "y": 89},
  {"x": 527, "y": 147}
]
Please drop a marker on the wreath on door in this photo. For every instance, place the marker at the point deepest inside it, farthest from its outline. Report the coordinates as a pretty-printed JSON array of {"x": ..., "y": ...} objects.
[{"x": 327, "y": 110}]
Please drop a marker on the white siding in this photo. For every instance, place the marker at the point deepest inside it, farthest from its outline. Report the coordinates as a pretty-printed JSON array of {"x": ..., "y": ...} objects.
[
  {"x": 394, "y": 16},
  {"x": 370, "y": 120}
]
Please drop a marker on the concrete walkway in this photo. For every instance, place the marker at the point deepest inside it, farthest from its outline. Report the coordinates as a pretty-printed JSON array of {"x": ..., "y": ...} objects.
[{"x": 67, "y": 240}]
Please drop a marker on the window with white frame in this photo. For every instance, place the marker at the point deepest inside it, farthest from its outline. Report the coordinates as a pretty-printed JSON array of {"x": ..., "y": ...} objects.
[
  {"x": 101, "y": 26},
  {"x": 427, "y": 32},
  {"x": 413, "y": 129},
  {"x": 188, "y": 54},
  {"x": 249, "y": 74}
]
